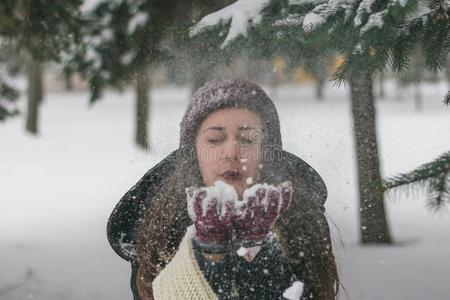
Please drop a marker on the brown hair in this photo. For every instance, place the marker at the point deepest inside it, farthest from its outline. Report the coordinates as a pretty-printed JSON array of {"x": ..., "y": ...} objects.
[{"x": 303, "y": 230}]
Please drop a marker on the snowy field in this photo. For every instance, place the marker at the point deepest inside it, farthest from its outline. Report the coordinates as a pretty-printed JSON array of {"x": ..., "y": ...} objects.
[{"x": 58, "y": 189}]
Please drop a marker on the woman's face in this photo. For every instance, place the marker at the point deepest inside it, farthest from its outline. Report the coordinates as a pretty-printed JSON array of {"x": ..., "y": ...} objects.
[{"x": 228, "y": 146}]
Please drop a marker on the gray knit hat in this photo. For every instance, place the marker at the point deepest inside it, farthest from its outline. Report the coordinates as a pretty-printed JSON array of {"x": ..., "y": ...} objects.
[{"x": 230, "y": 93}]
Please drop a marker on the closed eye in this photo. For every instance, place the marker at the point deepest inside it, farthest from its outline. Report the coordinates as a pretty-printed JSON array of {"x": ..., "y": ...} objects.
[
  {"x": 214, "y": 141},
  {"x": 246, "y": 141}
]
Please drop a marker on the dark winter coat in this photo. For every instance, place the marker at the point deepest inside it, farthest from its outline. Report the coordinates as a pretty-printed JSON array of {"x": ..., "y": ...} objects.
[{"x": 122, "y": 225}]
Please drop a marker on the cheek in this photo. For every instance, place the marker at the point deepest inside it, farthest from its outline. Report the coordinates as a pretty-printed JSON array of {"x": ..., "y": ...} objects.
[
  {"x": 252, "y": 160},
  {"x": 207, "y": 161}
]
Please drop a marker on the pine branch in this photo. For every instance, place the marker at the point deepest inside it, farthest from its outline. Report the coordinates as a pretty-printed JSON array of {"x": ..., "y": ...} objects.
[
  {"x": 438, "y": 194},
  {"x": 409, "y": 34},
  {"x": 436, "y": 31},
  {"x": 434, "y": 177},
  {"x": 447, "y": 98},
  {"x": 238, "y": 16},
  {"x": 340, "y": 76}
]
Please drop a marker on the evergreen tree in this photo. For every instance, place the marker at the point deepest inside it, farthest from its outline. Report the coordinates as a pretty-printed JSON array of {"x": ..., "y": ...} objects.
[
  {"x": 390, "y": 32},
  {"x": 123, "y": 41},
  {"x": 430, "y": 30},
  {"x": 37, "y": 31},
  {"x": 120, "y": 44}
]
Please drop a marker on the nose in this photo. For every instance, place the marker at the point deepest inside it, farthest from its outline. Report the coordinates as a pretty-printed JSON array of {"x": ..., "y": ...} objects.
[{"x": 232, "y": 150}]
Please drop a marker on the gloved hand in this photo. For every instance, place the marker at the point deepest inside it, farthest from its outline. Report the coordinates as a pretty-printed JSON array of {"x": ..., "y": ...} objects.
[
  {"x": 261, "y": 206},
  {"x": 211, "y": 209}
]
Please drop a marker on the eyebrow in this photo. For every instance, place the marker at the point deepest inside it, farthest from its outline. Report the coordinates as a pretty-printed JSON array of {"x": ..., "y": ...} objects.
[{"x": 223, "y": 128}]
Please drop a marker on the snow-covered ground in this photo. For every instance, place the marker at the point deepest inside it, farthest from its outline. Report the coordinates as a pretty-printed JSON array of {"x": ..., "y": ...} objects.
[{"x": 58, "y": 189}]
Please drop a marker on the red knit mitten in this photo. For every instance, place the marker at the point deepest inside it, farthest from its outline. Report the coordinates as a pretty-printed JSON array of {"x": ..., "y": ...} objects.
[
  {"x": 211, "y": 209},
  {"x": 261, "y": 206}
]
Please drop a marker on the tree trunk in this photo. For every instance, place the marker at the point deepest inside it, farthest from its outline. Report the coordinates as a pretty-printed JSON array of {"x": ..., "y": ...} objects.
[
  {"x": 381, "y": 92},
  {"x": 35, "y": 91},
  {"x": 373, "y": 224},
  {"x": 320, "y": 84},
  {"x": 320, "y": 70},
  {"x": 142, "y": 108},
  {"x": 68, "y": 82},
  {"x": 418, "y": 103}
]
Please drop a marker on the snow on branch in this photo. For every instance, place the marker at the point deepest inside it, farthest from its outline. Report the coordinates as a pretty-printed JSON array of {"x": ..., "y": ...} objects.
[
  {"x": 323, "y": 11},
  {"x": 138, "y": 20},
  {"x": 315, "y": 18},
  {"x": 301, "y": 2},
  {"x": 291, "y": 20},
  {"x": 365, "y": 6},
  {"x": 242, "y": 13},
  {"x": 375, "y": 20}
]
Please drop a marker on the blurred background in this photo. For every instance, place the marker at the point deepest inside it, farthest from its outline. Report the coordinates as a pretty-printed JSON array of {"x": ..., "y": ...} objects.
[{"x": 92, "y": 94}]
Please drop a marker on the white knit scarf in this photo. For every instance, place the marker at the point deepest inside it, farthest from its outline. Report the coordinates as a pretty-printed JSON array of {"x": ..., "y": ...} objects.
[{"x": 182, "y": 277}]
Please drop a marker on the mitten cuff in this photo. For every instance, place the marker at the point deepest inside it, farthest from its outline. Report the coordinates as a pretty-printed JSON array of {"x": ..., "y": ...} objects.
[
  {"x": 209, "y": 247},
  {"x": 247, "y": 243}
]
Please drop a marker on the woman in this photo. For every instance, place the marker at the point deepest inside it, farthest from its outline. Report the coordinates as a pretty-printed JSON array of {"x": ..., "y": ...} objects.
[{"x": 148, "y": 225}]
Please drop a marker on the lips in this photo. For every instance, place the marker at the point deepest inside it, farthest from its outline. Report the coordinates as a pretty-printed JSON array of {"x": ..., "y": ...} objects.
[{"x": 232, "y": 175}]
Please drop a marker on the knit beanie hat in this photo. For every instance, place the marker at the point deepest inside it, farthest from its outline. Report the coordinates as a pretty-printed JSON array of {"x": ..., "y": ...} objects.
[{"x": 230, "y": 93}]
